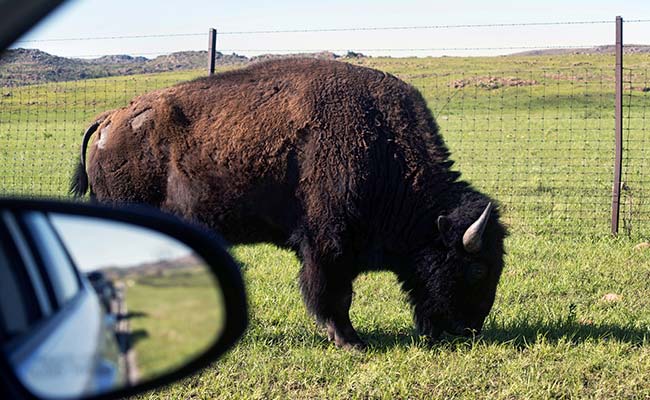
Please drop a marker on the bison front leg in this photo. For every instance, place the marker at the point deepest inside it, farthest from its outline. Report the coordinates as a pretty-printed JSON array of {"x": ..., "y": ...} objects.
[
  {"x": 327, "y": 293},
  {"x": 339, "y": 327}
]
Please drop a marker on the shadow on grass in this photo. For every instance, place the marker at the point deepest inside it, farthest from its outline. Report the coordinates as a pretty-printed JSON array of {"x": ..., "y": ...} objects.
[
  {"x": 525, "y": 333},
  {"x": 519, "y": 334},
  {"x": 383, "y": 341},
  {"x": 128, "y": 340},
  {"x": 137, "y": 335},
  {"x": 131, "y": 315},
  {"x": 376, "y": 340}
]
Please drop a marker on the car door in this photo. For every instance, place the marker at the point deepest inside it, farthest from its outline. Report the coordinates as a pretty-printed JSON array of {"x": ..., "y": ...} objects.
[{"x": 68, "y": 344}]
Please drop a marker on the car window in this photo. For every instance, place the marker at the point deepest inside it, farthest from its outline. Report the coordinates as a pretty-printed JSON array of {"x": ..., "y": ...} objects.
[{"x": 58, "y": 266}]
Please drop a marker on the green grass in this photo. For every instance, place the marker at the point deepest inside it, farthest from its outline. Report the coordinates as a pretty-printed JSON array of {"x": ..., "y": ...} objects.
[
  {"x": 550, "y": 334},
  {"x": 175, "y": 317},
  {"x": 544, "y": 150}
]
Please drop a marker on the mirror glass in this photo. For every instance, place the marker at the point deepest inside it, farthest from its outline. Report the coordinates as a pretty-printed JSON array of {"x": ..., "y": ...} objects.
[{"x": 114, "y": 305}]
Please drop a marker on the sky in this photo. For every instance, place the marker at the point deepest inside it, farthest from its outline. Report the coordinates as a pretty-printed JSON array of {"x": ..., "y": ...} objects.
[
  {"x": 95, "y": 243},
  {"x": 101, "y": 18}
]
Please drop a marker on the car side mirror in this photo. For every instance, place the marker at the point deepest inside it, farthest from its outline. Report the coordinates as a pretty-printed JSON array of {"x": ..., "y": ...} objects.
[{"x": 99, "y": 302}]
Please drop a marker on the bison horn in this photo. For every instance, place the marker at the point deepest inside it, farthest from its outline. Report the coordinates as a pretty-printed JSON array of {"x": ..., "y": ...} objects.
[{"x": 473, "y": 234}]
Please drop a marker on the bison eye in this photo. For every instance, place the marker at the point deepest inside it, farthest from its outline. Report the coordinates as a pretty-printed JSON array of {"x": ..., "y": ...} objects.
[{"x": 475, "y": 272}]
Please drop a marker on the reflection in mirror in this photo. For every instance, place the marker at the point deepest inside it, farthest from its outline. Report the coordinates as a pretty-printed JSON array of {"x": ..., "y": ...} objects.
[{"x": 147, "y": 305}]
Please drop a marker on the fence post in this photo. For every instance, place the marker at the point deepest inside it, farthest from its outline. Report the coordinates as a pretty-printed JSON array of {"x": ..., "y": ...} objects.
[
  {"x": 212, "y": 49},
  {"x": 618, "y": 156}
]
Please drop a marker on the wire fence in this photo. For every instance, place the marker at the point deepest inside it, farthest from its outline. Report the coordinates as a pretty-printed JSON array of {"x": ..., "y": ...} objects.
[
  {"x": 535, "y": 132},
  {"x": 542, "y": 141}
]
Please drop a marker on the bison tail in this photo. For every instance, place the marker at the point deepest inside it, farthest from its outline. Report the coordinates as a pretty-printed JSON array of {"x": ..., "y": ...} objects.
[{"x": 79, "y": 183}]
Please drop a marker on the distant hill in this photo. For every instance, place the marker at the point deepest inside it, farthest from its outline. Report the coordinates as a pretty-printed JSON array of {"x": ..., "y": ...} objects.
[
  {"x": 20, "y": 67},
  {"x": 153, "y": 268},
  {"x": 30, "y": 66},
  {"x": 323, "y": 55},
  {"x": 606, "y": 49}
]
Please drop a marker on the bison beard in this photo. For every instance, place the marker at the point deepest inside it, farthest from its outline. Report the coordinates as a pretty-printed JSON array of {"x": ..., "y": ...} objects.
[{"x": 344, "y": 164}]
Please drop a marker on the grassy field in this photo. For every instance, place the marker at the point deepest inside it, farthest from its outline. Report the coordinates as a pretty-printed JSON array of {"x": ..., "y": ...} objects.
[
  {"x": 553, "y": 333},
  {"x": 173, "y": 318},
  {"x": 572, "y": 315}
]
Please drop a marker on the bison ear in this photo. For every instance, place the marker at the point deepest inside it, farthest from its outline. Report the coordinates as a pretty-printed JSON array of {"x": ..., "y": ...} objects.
[{"x": 444, "y": 228}]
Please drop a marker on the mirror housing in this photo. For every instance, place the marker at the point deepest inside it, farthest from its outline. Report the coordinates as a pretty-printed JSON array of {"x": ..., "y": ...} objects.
[{"x": 206, "y": 244}]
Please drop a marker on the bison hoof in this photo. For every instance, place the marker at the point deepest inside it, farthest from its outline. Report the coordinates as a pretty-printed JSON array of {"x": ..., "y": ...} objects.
[
  {"x": 344, "y": 338},
  {"x": 353, "y": 346}
]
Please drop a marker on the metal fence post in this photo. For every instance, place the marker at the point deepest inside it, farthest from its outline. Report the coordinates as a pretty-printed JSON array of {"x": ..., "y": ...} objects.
[
  {"x": 212, "y": 50},
  {"x": 618, "y": 155}
]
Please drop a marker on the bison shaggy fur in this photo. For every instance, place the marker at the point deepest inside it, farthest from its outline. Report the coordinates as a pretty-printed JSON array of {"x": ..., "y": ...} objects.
[{"x": 342, "y": 163}]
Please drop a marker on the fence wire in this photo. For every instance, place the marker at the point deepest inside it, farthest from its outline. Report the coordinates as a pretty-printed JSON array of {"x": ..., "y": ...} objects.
[
  {"x": 538, "y": 139},
  {"x": 635, "y": 184},
  {"x": 41, "y": 127}
]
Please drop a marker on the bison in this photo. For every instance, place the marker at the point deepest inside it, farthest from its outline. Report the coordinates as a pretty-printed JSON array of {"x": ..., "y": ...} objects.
[{"x": 342, "y": 163}]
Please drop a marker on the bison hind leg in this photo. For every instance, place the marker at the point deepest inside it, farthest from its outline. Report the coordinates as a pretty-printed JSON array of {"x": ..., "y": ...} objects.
[{"x": 327, "y": 293}]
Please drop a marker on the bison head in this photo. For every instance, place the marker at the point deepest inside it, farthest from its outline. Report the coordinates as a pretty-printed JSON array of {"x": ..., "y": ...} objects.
[{"x": 456, "y": 275}]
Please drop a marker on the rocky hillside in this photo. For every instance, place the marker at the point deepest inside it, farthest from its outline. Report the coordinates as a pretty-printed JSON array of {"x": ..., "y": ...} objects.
[{"x": 30, "y": 66}]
